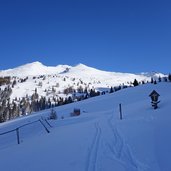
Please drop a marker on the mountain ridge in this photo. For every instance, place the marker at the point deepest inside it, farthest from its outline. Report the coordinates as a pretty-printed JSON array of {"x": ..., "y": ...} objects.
[
  {"x": 37, "y": 68},
  {"x": 55, "y": 80}
]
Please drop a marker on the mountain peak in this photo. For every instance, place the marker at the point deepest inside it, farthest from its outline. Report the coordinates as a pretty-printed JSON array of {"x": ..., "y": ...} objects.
[
  {"x": 35, "y": 63},
  {"x": 80, "y": 65},
  {"x": 32, "y": 64},
  {"x": 34, "y": 68}
]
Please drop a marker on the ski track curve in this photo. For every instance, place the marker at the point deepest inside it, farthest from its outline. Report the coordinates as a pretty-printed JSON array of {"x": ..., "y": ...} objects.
[
  {"x": 122, "y": 151},
  {"x": 91, "y": 163}
]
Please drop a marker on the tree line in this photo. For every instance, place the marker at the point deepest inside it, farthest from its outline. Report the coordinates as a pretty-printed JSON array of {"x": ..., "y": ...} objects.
[{"x": 27, "y": 105}]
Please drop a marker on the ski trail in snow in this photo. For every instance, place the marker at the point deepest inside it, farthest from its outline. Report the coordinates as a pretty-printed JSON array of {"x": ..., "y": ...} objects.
[
  {"x": 93, "y": 150},
  {"x": 122, "y": 151}
]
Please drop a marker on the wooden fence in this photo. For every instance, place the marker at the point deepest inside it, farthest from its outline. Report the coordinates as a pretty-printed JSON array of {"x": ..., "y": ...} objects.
[{"x": 17, "y": 130}]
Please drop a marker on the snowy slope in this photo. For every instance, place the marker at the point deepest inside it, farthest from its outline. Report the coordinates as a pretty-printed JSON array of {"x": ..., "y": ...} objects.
[
  {"x": 88, "y": 73},
  {"x": 96, "y": 140},
  {"x": 64, "y": 76}
]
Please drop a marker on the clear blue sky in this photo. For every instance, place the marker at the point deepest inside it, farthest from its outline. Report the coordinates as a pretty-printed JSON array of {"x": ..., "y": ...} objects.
[{"x": 114, "y": 35}]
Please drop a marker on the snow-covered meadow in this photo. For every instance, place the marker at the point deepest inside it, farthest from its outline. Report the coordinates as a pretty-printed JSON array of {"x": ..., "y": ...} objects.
[{"x": 97, "y": 140}]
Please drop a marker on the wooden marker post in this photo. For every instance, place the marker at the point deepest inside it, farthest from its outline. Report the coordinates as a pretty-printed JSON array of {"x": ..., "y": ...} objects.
[
  {"x": 120, "y": 111},
  {"x": 18, "y": 135}
]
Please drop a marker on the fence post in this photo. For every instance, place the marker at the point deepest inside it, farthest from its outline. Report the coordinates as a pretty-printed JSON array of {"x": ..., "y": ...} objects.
[
  {"x": 48, "y": 123},
  {"x": 44, "y": 126},
  {"x": 18, "y": 135},
  {"x": 120, "y": 111}
]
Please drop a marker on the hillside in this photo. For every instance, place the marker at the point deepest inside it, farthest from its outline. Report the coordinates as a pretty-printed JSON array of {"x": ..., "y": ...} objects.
[
  {"x": 96, "y": 140},
  {"x": 34, "y": 86},
  {"x": 34, "y": 75}
]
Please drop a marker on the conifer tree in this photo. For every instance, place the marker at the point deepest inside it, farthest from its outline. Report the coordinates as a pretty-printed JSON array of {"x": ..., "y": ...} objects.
[
  {"x": 169, "y": 77},
  {"x": 152, "y": 81},
  {"x": 111, "y": 90},
  {"x": 155, "y": 82},
  {"x": 159, "y": 79},
  {"x": 135, "y": 83}
]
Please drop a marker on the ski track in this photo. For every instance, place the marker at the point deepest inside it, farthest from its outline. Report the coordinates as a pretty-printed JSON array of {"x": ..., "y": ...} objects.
[
  {"x": 91, "y": 164},
  {"x": 122, "y": 152}
]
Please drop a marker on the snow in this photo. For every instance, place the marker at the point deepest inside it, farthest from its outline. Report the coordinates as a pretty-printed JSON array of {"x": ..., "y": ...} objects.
[
  {"x": 96, "y": 140},
  {"x": 37, "y": 68},
  {"x": 80, "y": 74},
  {"x": 153, "y": 74},
  {"x": 33, "y": 69}
]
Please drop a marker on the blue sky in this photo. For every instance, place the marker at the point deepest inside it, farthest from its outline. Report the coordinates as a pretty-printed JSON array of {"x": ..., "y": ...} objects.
[{"x": 115, "y": 35}]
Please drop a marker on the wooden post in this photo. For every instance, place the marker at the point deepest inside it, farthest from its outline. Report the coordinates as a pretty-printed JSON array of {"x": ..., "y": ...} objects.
[
  {"x": 18, "y": 135},
  {"x": 44, "y": 126},
  {"x": 120, "y": 111}
]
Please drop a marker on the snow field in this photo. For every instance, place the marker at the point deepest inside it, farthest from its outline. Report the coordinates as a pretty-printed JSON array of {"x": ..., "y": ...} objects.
[{"x": 96, "y": 140}]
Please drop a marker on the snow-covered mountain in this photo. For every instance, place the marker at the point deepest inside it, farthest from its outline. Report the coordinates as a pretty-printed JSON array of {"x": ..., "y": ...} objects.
[
  {"x": 37, "y": 68},
  {"x": 61, "y": 77},
  {"x": 34, "y": 69},
  {"x": 97, "y": 140}
]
